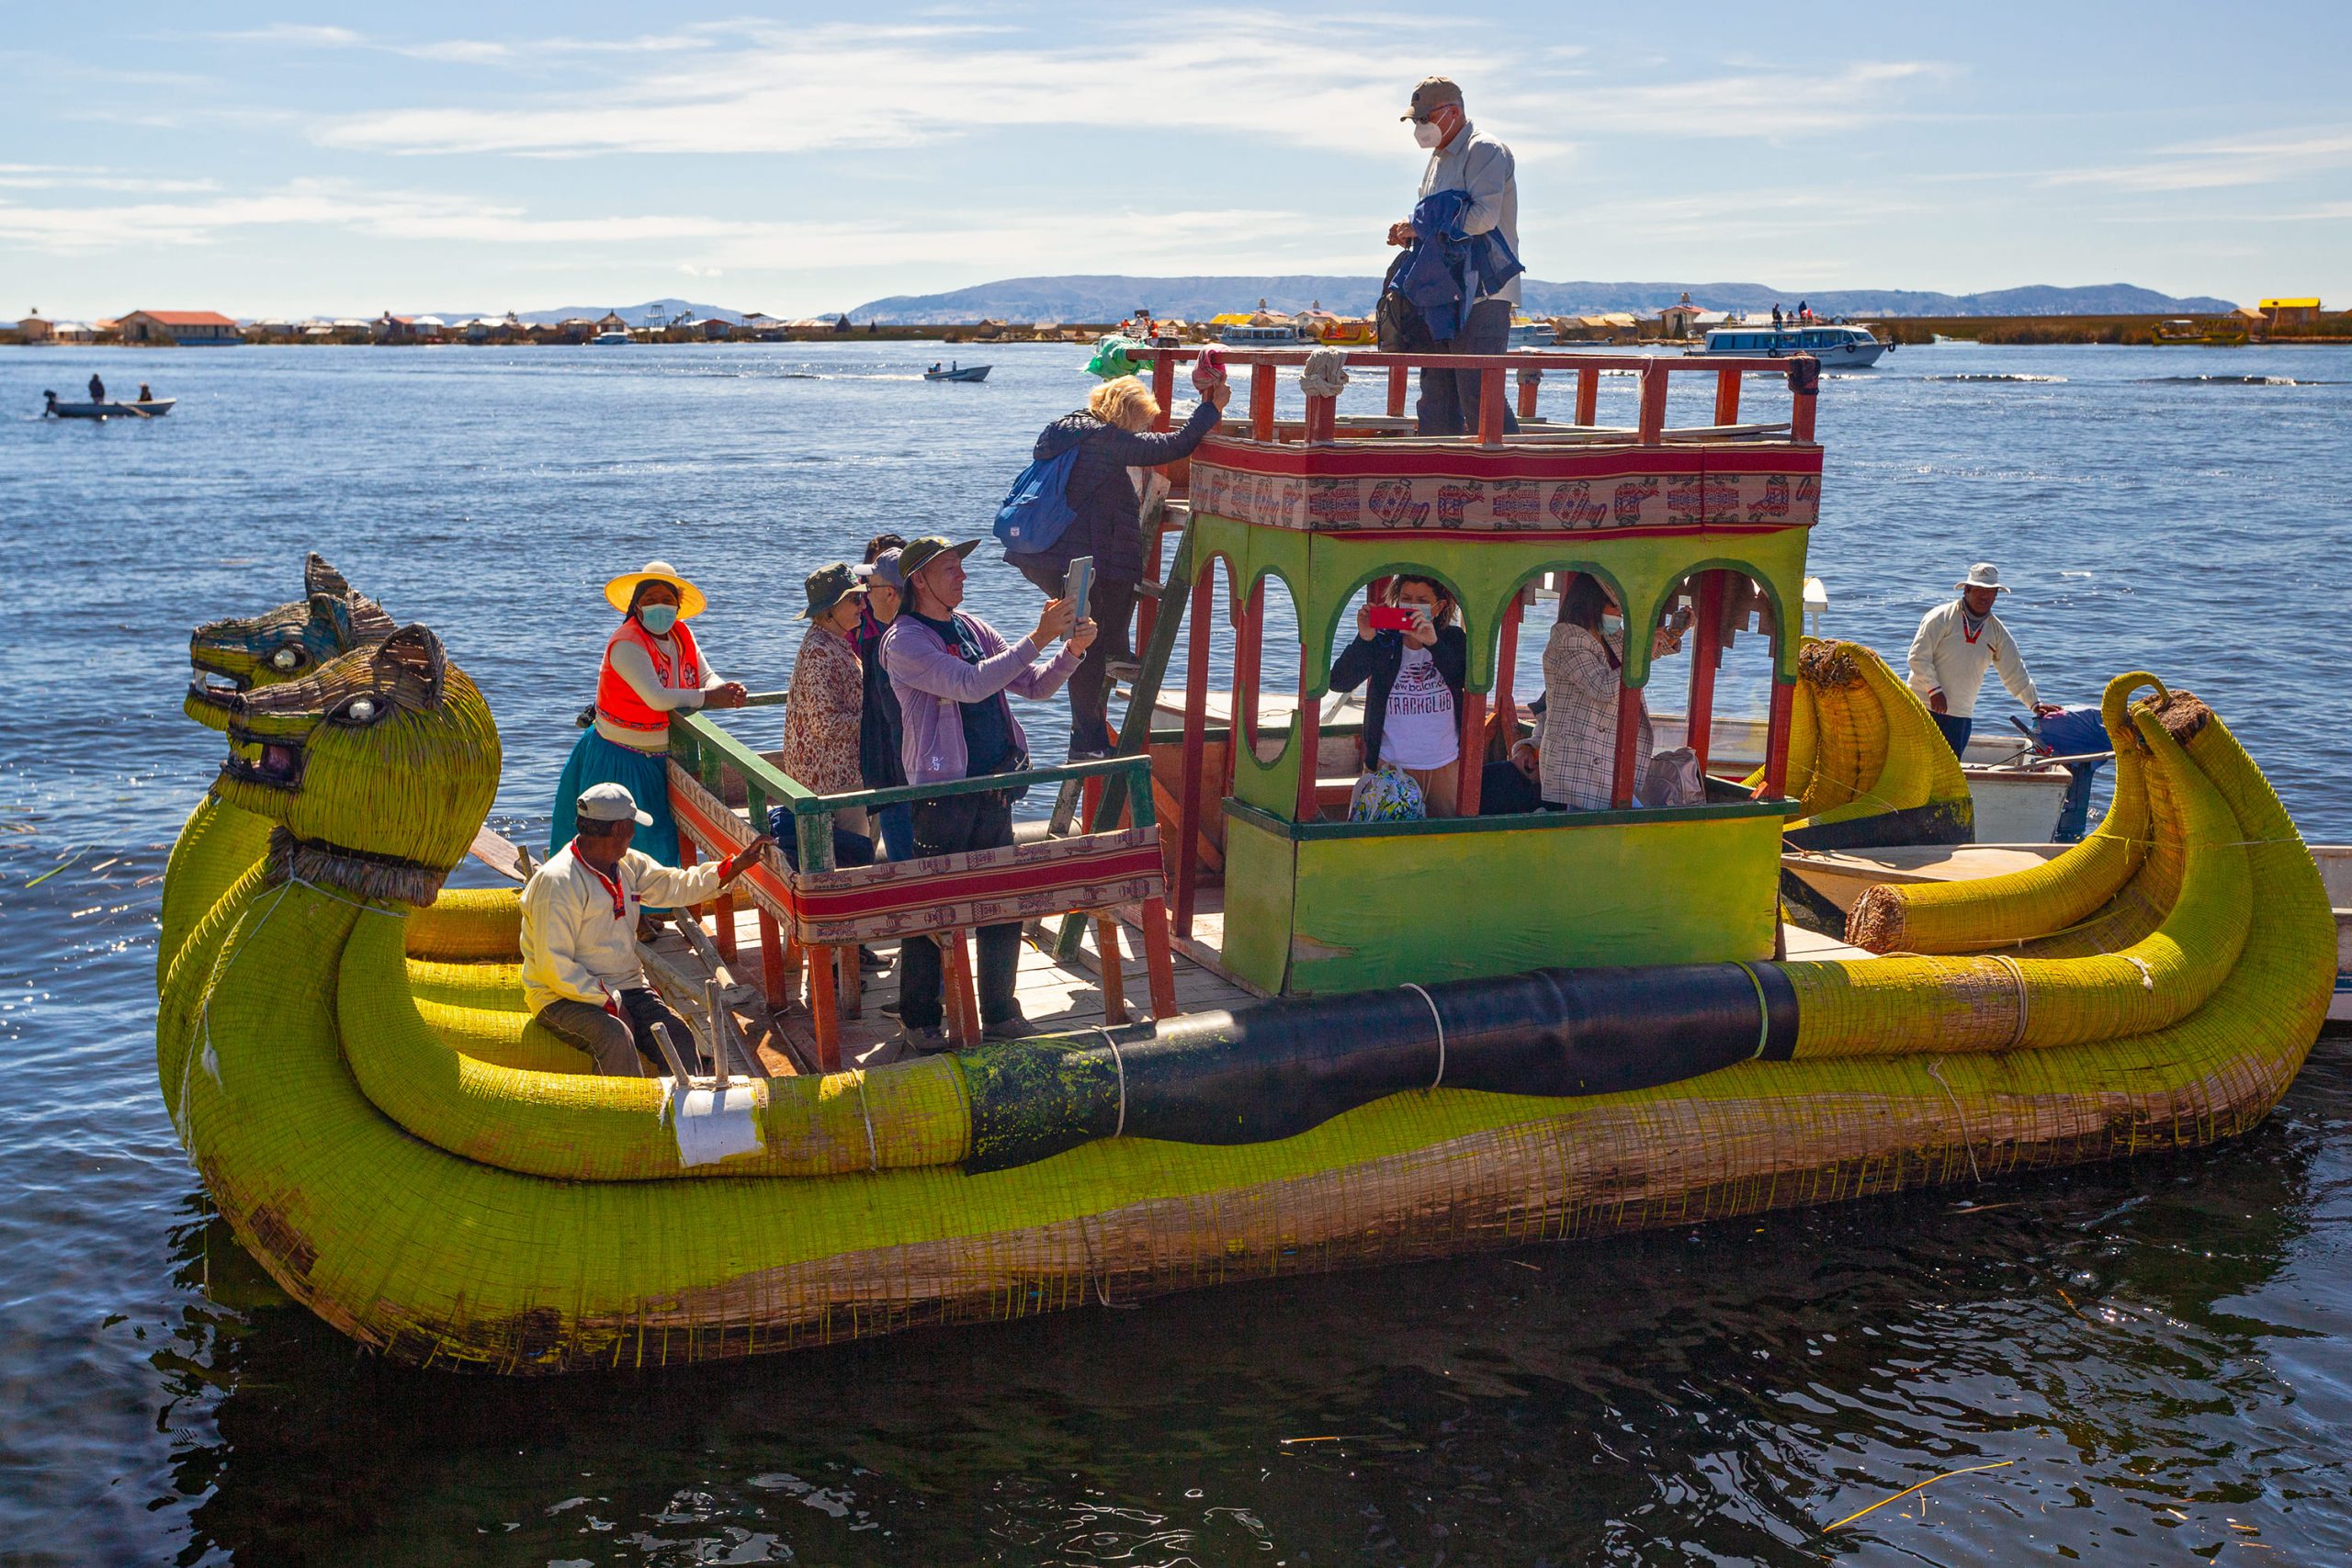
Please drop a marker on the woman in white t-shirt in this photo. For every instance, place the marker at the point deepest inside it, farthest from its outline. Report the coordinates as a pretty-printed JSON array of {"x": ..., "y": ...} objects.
[{"x": 1413, "y": 711}]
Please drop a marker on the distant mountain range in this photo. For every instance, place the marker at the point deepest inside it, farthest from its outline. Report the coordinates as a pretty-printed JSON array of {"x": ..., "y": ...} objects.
[
  {"x": 635, "y": 315},
  {"x": 1111, "y": 298}
]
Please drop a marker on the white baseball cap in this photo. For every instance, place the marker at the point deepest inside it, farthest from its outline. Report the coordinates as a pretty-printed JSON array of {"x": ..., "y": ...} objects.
[{"x": 611, "y": 802}]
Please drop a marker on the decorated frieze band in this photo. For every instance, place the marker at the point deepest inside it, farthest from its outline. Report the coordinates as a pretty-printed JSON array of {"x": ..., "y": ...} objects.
[
  {"x": 1745, "y": 498},
  {"x": 877, "y": 903}
]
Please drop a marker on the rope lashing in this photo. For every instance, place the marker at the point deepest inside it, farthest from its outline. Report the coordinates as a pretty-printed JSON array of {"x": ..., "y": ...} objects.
[
  {"x": 1325, "y": 375},
  {"x": 2017, "y": 979},
  {"x": 1763, "y": 1009},
  {"x": 1438, "y": 1018},
  {"x": 1119, "y": 1062}
]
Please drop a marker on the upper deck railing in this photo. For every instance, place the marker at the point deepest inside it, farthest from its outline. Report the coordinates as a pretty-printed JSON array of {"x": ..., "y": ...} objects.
[{"x": 1802, "y": 373}]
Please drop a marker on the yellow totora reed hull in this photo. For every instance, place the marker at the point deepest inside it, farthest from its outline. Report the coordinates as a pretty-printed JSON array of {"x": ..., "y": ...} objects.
[{"x": 312, "y": 1097}]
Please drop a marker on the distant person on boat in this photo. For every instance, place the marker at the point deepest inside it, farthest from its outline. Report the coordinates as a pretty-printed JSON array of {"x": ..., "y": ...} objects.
[
  {"x": 97, "y": 389},
  {"x": 1581, "y": 680},
  {"x": 581, "y": 972},
  {"x": 652, "y": 669},
  {"x": 825, "y": 709},
  {"x": 1412, "y": 711},
  {"x": 144, "y": 395},
  {"x": 1776, "y": 315},
  {"x": 877, "y": 728},
  {"x": 1954, "y": 644},
  {"x": 1115, "y": 444},
  {"x": 1464, "y": 158},
  {"x": 952, "y": 672}
]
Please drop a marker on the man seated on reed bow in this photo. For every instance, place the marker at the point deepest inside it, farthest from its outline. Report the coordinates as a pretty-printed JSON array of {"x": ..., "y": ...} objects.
[{"x": 582, "y": 975}]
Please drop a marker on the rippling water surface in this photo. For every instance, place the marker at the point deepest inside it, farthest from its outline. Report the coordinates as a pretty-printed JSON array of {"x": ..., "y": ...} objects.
[{"x": 2158, "y": 1357}]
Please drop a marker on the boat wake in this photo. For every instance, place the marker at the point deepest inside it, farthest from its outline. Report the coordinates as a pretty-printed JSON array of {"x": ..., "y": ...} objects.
[
  {"x": 2004, "y": 376},
  {"x": 2230, "y": 381}
]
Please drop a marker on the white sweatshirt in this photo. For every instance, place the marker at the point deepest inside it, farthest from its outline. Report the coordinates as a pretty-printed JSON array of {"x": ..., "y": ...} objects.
[
  {"x": 1943, "y": 659},
  {"x": 573, "y": 947},
  {"x": 633, "y": 664}
]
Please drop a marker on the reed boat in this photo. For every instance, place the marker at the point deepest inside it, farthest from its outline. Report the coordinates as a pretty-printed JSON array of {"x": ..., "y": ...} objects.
[{"x": 1352, "y": 1043}]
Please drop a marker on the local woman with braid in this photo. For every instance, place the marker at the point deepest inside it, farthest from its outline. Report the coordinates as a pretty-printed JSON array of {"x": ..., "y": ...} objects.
[{"x": 651, "y": 669}]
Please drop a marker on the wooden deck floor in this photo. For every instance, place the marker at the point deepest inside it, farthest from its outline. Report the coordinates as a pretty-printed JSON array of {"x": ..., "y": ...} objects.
[{"x": 1050, "y": 994}]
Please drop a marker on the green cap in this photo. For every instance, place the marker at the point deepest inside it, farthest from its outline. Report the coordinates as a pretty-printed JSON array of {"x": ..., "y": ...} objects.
[{"x": 914, "y": 557}]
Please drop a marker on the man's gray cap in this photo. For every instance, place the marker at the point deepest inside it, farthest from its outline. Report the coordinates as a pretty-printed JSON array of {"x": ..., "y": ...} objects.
[
  {"x": 611, "y": 802},
  {"x": 1433, "y": 93}
]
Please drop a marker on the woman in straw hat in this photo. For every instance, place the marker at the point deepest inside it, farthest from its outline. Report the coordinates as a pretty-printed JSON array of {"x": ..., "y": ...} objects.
[{"x": 651, "y": 669}]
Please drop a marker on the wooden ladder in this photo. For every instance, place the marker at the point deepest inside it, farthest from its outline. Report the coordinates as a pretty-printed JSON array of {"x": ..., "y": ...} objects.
[{"x": 1143, "y": 699}]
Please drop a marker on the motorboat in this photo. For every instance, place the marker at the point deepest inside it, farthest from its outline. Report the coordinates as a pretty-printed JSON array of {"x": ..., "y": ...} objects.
[
  {"x": 957, "y": 373},
  {"x": 1837, "y": 346},
  {"x": 609, "y": 340}
]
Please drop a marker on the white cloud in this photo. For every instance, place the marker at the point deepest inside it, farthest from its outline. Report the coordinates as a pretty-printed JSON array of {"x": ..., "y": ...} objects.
[
  {"x": 2220, "y": 163},
  {"x": 779, "y": 90},
  {"x": 1245, "y": 238}
]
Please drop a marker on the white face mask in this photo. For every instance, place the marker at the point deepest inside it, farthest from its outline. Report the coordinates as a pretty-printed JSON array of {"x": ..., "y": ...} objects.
[
  {"x": 1613, "y": 625},
  {"x": 1427, "y": 134}
]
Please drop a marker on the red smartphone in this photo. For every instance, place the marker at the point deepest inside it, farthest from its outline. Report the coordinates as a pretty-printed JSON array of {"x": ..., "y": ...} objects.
[{"x": 1391, "y": 618}]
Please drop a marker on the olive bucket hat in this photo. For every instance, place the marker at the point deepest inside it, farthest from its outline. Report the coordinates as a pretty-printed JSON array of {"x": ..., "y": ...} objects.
[{"x": 828, "y": 586}]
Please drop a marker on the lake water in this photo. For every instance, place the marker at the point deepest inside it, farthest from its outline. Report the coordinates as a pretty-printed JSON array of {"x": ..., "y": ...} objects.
[{"x": 2161, "y": 1352}]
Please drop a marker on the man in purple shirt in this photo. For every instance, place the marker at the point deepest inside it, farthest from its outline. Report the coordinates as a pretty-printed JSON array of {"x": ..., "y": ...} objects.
[{"x": 951, "y": 672}]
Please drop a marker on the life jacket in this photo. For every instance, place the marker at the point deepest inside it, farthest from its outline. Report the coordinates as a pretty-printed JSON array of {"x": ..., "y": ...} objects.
[{"x": 617, "y": 700}]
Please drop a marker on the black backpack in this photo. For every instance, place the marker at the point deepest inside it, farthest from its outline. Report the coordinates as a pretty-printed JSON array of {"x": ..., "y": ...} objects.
[{"x": 1401, "y": 326}]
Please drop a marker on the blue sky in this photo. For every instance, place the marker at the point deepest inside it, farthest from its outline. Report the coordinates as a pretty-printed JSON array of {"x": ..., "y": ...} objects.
[{"x": 346, "y": 160}]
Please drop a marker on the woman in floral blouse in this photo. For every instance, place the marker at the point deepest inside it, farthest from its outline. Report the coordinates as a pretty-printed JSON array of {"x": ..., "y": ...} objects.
[{"x": 828, "y": 697}]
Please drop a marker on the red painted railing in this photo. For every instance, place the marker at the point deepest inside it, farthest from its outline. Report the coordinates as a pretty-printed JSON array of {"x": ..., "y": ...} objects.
[{"x": 1528, "y": 366}]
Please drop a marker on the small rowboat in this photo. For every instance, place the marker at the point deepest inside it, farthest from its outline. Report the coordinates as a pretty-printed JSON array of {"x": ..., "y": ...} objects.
[
  {"x": 960, "y": 373},
  {"x": 133, "y": 410}
]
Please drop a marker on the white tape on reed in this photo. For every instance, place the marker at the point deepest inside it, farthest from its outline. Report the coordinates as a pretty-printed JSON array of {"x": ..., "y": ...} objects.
[
  {"x": 715, "y": 1125},
  {"x": 1440, "y": 1020}
]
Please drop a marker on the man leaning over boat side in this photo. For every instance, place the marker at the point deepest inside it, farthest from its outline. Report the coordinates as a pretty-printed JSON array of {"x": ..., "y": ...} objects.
[
  {"x": 952, "y": 672},
  {"x": 1464, "y": 158},
  {"x": 1951, "y": 650},
  {"x": 582, "y": 975}
]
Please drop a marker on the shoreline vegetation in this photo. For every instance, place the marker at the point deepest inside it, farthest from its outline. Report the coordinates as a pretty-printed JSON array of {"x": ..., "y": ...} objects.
[{"x": 1997, "y": 331}]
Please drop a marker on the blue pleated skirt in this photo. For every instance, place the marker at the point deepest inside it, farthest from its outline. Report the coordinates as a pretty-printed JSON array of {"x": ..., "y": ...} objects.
[{"x": 644, "y": 774}]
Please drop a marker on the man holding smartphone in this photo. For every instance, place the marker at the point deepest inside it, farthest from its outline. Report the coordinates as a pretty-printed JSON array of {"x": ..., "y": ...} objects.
[{"x": 951, "y": 672}]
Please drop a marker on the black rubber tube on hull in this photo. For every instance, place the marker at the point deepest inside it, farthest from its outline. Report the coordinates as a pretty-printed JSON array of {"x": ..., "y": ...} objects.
[{"x": 1275, "y": 1070}]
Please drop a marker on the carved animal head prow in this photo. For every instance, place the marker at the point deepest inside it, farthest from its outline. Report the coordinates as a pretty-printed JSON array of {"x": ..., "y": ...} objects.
[
  {"x": 387, "y": 750},
  {"x": 285, "y": 644}
]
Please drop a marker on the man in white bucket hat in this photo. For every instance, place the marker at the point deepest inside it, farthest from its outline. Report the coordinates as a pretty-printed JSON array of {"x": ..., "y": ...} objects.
[
  {"x": 582, "y": 976},
  {"x": 1953, "y": 646}
]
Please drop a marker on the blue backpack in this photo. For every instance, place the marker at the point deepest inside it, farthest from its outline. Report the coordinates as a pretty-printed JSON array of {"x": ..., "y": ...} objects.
[{"x": 1036, "y": 511}]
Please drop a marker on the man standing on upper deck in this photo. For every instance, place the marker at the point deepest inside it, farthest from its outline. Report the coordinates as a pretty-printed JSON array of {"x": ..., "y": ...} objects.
[
  {"x": 1464, "y": 158},
  {"x": 1955, "y": 644}
]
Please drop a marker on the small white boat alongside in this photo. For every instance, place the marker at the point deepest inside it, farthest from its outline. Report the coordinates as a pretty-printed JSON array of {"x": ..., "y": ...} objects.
[
  {"x": 1836, "y": 346},
  {"x": 609, "y": 340},
  {"x": 1280, "y": 335}
]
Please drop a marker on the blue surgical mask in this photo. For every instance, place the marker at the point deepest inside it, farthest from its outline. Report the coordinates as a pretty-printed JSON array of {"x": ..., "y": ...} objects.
[
  {"x": 658, "y": 619},
  {"x": 1613, "y": 625}
]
